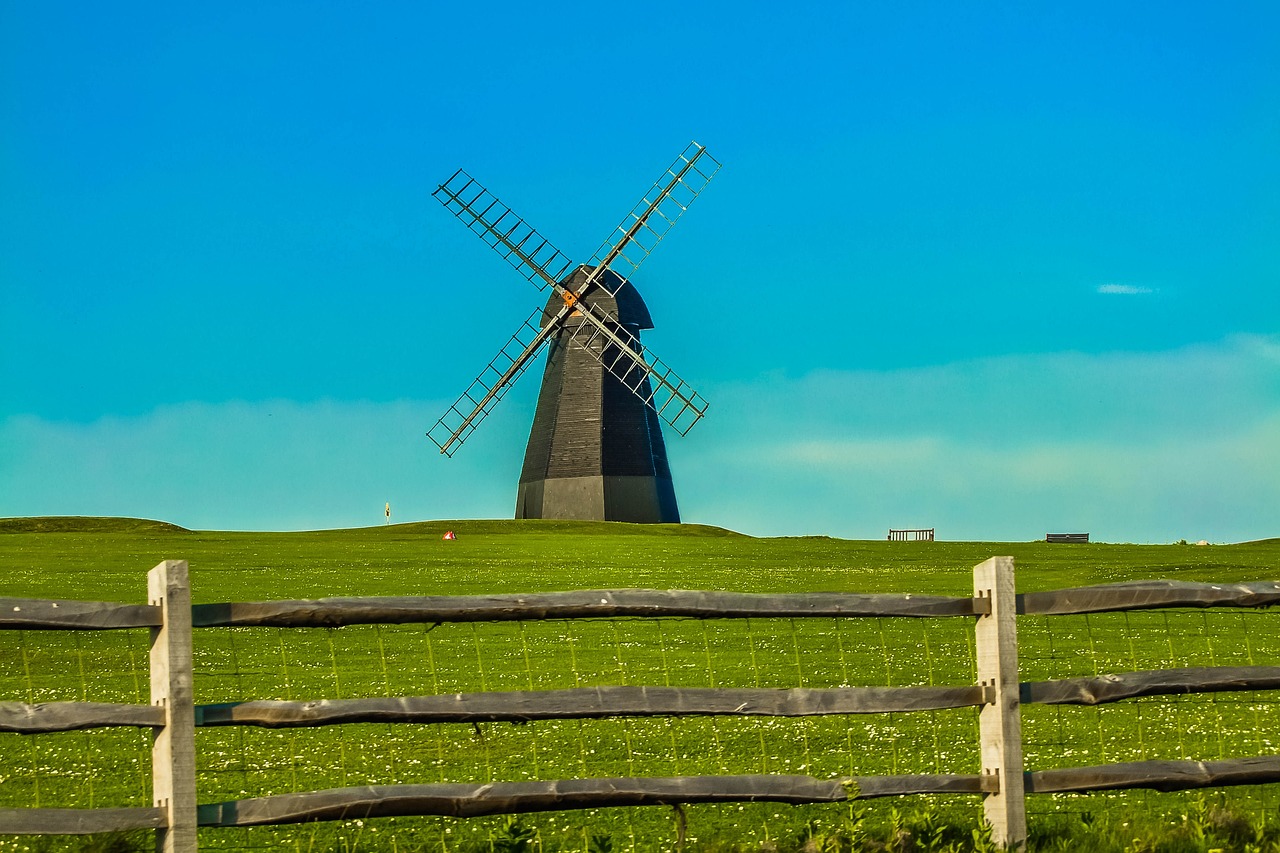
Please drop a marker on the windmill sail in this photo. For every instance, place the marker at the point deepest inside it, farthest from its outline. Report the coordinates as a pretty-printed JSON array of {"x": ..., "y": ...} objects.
[
  {"x": 488, "y": 388},
  {"x": 642, "y": 372},
  {"x": 653, "y": 216},
  {"x": 503, "y": 230},
  {"x": 607, "y": 341},
  {"x": 619, "y": 351}
]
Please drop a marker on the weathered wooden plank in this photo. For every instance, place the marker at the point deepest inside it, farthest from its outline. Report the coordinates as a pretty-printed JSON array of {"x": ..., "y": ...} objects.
[
  {"x": 578, "y": 604},
  {"x": 1157, "y": 775},
  {"x": 1098, "y": 690},
  {"x": 45, "y": 717},
  {"x": 590, "y": 702},
  {"x": 1147, "y": 595},
  {"x": 78, "y": 821},
  {"x": 173, "y": 745},
  {"x": 1000, "y": 722},
  {"x": 869, "y": 787},
  {"x": 47, "y": 614},
  {"x": 460, "y": 800}
]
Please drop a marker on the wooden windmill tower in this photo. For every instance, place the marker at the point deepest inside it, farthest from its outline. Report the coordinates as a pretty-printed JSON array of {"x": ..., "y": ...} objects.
[{"x": 595, "y": 449}]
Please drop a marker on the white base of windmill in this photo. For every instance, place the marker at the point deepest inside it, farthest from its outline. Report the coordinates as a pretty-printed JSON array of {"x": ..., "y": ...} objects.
[{"x": 640, "y": 500}]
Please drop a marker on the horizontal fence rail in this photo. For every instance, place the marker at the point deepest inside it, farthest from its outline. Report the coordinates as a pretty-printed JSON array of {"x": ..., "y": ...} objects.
[
  {"x": 80, "y": 821},
  {"x": 1157, "y": 775},
  {"x": 592, "y": 702},
  {"x": 515, "y": 706},
  {"x": 1148, "y": 595},
  {"x": 46, "y": 717},
  {"x": 36, "y": 613},
  {"x": 998, "y": 695},
  {"x": 525, "y": 797},
  {"x": 584, "y": 604},
  {"x": 1101, "y": 689}
]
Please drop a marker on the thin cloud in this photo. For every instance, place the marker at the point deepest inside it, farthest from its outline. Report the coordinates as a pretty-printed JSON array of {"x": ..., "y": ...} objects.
[
  {"x": 1123, "y": 289},
  {"x": 1153, "y": 446},
  {"x": 1015, "y": 399},
  {"x": 1160, "y": 446},
  {"x": 269, "y": 465},
  {"x": 1119, "y": 488}
]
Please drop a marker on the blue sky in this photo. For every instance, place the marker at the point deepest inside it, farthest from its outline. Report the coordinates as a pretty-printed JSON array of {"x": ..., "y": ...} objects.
[{"x": 995, "y": 268}]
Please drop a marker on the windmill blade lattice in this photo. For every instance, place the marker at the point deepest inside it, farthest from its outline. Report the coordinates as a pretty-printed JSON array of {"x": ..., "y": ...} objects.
[
  {"x": 644, "y": 374},
  {"x": 488, "y": 388},
  {"x": 535, "y": 258},
  {"x": 503, "y": 230},
  {"x": 653, "y": 216},
  {"x": 540, "y": 262},
  {"x": 620, "y": 352}
]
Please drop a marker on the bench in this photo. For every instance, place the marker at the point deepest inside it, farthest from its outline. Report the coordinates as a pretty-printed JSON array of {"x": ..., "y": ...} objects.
[
  {"x": 911, "y": 535},
  {"x": 1077, "y": 538}
]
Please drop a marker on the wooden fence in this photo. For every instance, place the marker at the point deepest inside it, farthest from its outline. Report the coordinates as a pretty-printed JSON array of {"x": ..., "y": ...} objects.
[{"x": 1003, "y": 782}]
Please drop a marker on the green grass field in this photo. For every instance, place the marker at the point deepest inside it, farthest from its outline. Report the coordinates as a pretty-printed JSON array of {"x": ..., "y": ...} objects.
[{"x": 108, "y": 559}]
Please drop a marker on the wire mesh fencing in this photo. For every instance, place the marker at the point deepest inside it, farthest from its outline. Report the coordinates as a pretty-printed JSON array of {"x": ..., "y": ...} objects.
[
  {"x": 1221, "y": 657},
  {"x": 109, "y": 767},
  {"x": 468, "y": 658},
  {"x": 94, "y": 768},
  {"x": 1189, "y": 726}
]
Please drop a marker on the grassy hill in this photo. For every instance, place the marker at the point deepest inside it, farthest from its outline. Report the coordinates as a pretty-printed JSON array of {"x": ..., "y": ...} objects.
[
  {"x": 86, "y": 524},
  {"x": 107, "y": 559}
]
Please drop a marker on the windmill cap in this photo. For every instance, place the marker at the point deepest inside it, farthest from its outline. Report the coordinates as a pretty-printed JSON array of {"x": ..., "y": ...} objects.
[{"x": 625, "y": 304}]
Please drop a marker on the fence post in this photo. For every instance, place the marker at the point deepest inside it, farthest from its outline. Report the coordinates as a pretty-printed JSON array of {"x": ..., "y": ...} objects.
[
  {"x": 173, "y": 748},
  {"x": 1000, "y": 722}
]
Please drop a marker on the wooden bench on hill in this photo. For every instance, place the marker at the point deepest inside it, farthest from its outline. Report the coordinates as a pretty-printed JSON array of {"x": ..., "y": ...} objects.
[
  {"x": 911, "y": 535},
  {"x": 1077, "y": 538}
]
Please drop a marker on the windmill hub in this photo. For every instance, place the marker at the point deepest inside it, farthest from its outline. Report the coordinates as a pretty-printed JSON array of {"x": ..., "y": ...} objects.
[
  {"x": 596, "y": 449},
  {"x": 615, "y": 300}
]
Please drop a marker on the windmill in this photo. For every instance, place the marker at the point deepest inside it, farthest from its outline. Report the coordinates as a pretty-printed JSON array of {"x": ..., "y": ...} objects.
[{"x": 595, "y": 449}]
